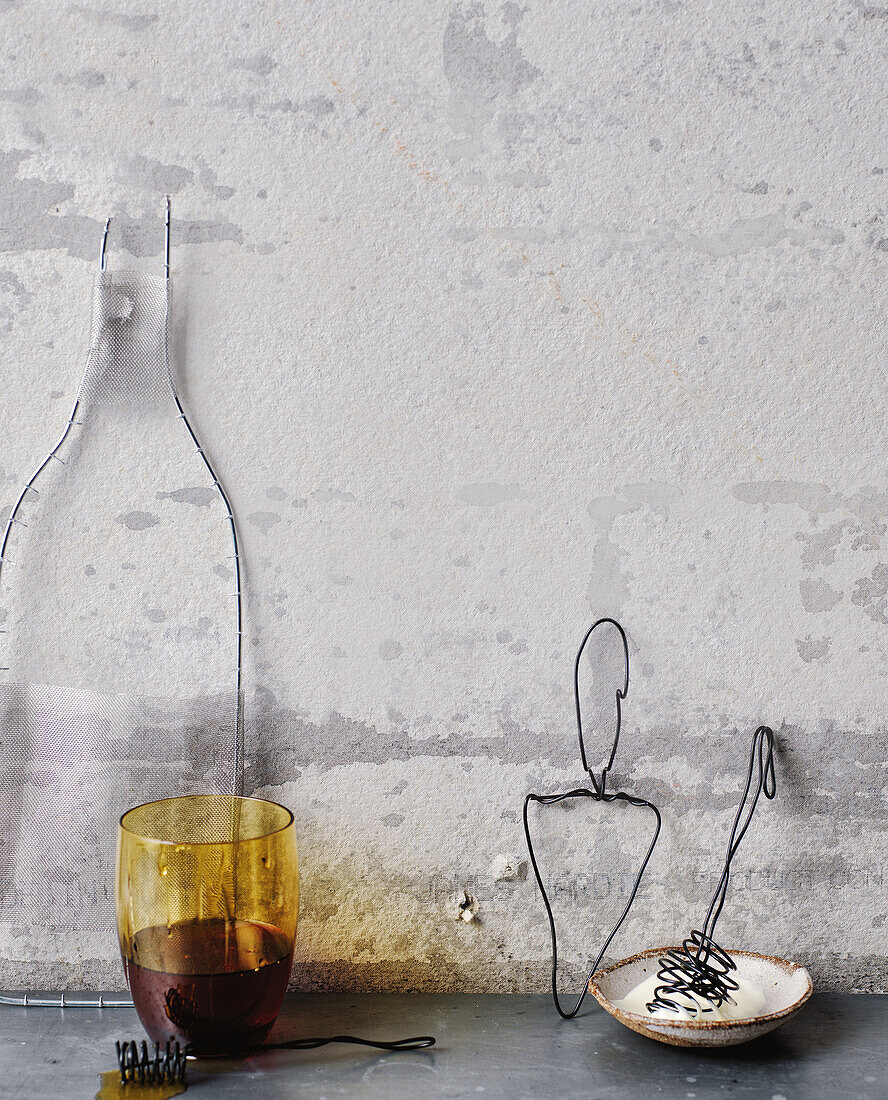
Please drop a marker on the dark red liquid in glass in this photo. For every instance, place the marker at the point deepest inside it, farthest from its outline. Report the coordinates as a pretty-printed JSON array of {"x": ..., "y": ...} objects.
[{"x": 216, "y": 985}]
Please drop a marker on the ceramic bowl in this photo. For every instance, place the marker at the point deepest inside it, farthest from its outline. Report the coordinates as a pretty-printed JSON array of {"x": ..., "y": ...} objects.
[{"x": 786, "y": 987}]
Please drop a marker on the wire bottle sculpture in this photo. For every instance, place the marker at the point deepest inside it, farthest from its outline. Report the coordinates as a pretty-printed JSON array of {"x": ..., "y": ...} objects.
[{"x": 88, "y": 725}]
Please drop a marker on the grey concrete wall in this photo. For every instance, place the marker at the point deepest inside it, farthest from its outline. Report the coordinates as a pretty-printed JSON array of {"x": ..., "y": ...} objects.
[{"x": 497, "y": 318}]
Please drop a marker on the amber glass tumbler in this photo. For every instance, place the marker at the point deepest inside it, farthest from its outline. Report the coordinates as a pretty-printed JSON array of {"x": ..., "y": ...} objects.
[{"x": 207, "y": 897}]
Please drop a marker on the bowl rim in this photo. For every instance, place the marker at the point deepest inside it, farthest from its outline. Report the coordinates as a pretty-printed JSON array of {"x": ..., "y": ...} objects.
[{"x": 785, "y": 965}]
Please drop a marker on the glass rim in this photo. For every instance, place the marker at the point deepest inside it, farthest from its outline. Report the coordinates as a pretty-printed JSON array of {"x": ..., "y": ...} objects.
[{"x": 205, "y": 843}]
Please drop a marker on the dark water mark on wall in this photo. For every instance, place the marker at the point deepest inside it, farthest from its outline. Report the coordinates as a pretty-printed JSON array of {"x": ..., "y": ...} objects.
[
  {"x": 154, "y": 175},
  {"x": 741, "y": 236},
  {"x": 316, "y": 105},
  {"x": 14, "y": 295},
  {"x": 28, "y": 221},
  {"x": 260, "y": 64},
  {"x": 609, "y": 584},
  {"x": 263, "y": 520},
  {"x": 86, "y": 78},
  {"x": 33, "y": 220},
  {"x": 813, "y": 649},
  {"x": 157, "y": 178},
  {"x": 26, "y": 96},
  {"x": 871, "y": 594},
  {"x": 206, "y": 177},
  {"x": 199, "y": 497},
  {"x": 770, "y": 880},
  {"x": 860, "y": 524},
  {"x": 483, "y": 65},
  {"x": 705, "y": 754},
  {"x": 872, "y": 11},
  {"x": 817, "y": 595},
  {"x": 144, "y": 236},
  {"x": 138, "y": 521},
  {"x": 478, "y": 67},
  {"x": 820, "y": 544},
  {"x": 107, "y": 18},
  {"x": 814, "y": 499}
]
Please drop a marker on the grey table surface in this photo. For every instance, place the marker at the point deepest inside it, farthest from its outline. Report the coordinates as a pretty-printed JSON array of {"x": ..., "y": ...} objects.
[{"x": 488, "y": 1046}]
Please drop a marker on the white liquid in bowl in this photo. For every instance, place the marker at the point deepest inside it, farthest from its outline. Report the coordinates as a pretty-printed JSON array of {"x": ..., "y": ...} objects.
[{"x": 749, "y": 1000}]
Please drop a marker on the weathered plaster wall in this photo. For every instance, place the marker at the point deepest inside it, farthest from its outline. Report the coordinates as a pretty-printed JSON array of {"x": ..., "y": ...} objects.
[{"x": 496, "y": 318}]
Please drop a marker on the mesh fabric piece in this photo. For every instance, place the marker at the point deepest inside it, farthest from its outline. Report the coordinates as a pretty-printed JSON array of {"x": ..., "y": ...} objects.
[
  {"x": 72, "y": 762},
  {"x": 128, "y": 362}
]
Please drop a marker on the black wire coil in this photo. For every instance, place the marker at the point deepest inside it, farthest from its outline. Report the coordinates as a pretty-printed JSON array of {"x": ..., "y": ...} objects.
[
  {"x": 165, "y": 1067},
  {"x": 417, "y": 1042},
  {"x": 699, "y": 969}
]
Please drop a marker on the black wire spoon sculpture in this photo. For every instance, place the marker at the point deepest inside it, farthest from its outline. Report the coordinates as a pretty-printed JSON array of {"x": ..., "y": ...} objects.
[
  {"x": 699, "y": 974},
  {"x": 700, "y": 970}
]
